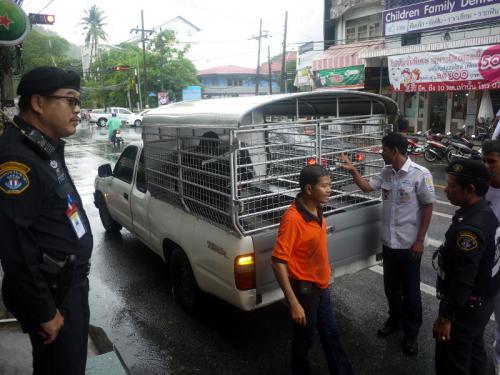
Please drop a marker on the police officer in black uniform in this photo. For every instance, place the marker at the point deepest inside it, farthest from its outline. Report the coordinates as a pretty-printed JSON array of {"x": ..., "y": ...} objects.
[
  {"x": 46, "y": 236},
  {"x": 465, "y": 263}
]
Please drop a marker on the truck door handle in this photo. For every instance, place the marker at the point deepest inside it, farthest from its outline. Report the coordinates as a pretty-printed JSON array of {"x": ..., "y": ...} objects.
[
  {"x": 330, "y": 229},
  {"x": 125, "y": 195}
]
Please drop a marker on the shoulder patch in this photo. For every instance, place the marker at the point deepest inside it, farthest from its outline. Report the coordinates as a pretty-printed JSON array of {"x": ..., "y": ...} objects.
[
  {"x": 13, "y": 177},
  {"x": 467, "y": 240},
  {"x": 429, "y": 183}
]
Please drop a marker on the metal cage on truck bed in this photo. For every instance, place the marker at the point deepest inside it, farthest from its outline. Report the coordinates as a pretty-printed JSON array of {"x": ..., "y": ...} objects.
[{"x": 235, "y": 162}]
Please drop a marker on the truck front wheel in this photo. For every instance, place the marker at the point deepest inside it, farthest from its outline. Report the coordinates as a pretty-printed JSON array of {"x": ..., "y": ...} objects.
[
  {"x": 184, "y": 287},
  {"x": 107, "y": 221}
]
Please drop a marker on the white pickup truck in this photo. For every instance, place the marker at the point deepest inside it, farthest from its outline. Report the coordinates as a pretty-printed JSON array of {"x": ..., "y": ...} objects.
[
  {"x": 100, "y": 116},
  {"x": 206, "y": 188}
]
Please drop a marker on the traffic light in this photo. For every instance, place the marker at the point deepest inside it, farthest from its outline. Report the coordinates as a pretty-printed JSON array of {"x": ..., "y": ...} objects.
[
  {"x": 119, "y": 68},
  {"x": 41, "y": 19}
]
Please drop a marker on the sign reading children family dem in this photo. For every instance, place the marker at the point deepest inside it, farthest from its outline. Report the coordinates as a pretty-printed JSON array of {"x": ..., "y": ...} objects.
[{"x": 438, "y": 13}]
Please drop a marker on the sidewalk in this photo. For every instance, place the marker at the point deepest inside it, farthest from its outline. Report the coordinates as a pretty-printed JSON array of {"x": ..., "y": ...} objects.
[{"x": 15, "y": 350}]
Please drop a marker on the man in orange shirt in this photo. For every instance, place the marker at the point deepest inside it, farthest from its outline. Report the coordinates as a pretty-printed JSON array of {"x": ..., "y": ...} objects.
[{"x": 301, "y": 265}]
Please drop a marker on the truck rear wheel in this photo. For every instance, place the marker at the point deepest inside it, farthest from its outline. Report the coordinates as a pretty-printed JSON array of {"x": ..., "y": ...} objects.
[
  {"x": 107, "y": 221},
  {"x": 186, "y": 291}
]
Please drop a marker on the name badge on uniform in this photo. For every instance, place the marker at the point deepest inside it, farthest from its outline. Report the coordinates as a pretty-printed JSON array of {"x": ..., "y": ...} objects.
[{"x": 74, "y": 218}]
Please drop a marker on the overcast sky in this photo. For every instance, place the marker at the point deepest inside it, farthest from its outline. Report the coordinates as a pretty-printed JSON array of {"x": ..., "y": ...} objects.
[{"x": 226, "y": 25}]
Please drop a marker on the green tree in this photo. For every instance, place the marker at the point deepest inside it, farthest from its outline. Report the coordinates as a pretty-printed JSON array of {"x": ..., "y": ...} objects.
[
  {"x": 40, "y": 48},
  {"x": 93, "y": 27}
]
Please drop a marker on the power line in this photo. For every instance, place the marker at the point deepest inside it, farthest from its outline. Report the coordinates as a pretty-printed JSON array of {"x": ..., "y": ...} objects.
[{"x": 50, "y": 2}]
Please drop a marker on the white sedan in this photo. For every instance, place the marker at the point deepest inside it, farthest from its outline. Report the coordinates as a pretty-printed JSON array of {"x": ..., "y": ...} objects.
[{"x": 135, "y": 119}]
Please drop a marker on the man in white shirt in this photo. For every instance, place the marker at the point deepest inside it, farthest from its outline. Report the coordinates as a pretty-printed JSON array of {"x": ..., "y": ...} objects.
[
  {"x": 408, "y": 195},
  {"x": 491, "y": 157}
]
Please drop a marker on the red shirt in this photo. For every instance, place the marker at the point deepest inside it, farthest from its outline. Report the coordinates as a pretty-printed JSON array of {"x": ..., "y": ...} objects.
[{"x": 301, "y": 243}]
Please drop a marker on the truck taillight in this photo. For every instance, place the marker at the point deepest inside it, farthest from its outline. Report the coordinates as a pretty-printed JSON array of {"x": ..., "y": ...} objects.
[
  {"x": 359, "y": 156},
  {"x": 312, "y": 161},
  {"x": 244, "y": 272}
]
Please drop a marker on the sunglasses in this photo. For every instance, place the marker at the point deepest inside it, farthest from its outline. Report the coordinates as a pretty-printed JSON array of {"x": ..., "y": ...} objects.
[{"x": 72, "y": 101}]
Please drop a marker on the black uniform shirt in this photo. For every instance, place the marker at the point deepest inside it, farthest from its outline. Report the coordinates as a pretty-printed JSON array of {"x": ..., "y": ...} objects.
[
  {"x": 468, "y": 256},
  {"x": 35, "y": 193}
]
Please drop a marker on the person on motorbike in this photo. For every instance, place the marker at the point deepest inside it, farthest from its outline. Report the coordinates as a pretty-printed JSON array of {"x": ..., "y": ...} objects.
[{"x": 114, "y": 124}]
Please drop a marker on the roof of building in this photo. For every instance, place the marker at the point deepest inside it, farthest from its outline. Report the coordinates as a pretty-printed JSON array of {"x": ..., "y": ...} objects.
[
  {"x": 226, "y": 69},
  {"x": 276, "y": 62}
]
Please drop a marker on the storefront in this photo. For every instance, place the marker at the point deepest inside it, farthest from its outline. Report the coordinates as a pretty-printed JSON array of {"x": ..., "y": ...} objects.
[
  {"x": 443, "y": 90},
  {"x": 341, "y": 67}
]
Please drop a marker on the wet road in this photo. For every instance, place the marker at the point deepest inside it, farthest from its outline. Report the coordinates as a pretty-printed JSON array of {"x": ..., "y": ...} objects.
[{"x": 131, "y": 300}]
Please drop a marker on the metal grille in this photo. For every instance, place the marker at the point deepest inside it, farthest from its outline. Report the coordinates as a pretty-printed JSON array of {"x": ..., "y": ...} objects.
[{"x": 244, "y": 179}]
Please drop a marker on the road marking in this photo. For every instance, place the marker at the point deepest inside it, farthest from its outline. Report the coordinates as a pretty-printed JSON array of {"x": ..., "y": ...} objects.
[
  {"x": 437, "y": 213},
  {"x": 423, "y": 287},
  {"x": 440, "y": 186},
  {"x": 444, "y": 202}
]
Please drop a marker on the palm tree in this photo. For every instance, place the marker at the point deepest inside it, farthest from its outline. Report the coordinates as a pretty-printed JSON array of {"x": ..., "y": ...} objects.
[{"x": 92, "y": 24}]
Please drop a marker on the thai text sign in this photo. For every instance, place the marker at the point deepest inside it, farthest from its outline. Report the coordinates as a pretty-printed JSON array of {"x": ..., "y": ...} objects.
[
  {"x": 438, "y": 13},
  {"x": 348, "y": 77},
  {"x": 472, "y": 68}
]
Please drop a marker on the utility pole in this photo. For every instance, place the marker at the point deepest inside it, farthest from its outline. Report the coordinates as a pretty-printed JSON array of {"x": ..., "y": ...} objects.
[
  {"x": 269, "y": 70},
  {"x": 283, "y": 61},
  {"x": 258, "y": 56},
  {"x": 143, "y": 40},
  {"x": 161, "y": 60}
]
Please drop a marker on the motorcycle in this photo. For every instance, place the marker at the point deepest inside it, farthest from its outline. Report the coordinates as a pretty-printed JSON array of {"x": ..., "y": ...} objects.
[
  {"x": 117, "y": 139},
  {"x": 461, "y": 146},
  {"x": 436, "y": 147},
  {"x": 414, "y": 148}
]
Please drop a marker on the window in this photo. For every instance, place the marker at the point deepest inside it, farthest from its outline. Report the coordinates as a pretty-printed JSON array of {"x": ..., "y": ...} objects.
[
  {"x": 410, "y": 39},
  {"x": 140, "y": 182},
  {"x": 234, "y": 82},
  {"x": 459, "y": 105},
  {"x": 124, "y": 111},
  {"x": 363, "y": 28},
  {"x": 124, "y": 168}
]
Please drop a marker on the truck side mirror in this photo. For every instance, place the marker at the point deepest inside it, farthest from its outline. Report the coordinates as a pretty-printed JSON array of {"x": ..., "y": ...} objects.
[{"x": 104, "y": 170}]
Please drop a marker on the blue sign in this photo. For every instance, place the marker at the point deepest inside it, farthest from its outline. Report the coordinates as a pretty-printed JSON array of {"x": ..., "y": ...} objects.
[
  {"x": 191, "y": 93},
  {"x": 152, "y": 94}
]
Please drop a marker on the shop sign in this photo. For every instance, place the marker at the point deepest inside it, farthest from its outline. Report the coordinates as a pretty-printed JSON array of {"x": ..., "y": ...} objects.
[
  {"x": 303, "y": 78},
  {"x": 348, "y": 77},
  {"x": 14, "y": 23},
  {"x": 463, "y": 69},
  {"x": 435, "y": 14}
]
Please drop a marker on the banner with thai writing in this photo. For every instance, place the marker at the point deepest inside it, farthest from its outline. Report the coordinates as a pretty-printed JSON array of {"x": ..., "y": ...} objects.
[
  {"x": 463, "y": 69},
  {"x": 435, "y": 14},
  {"x": 352, "y": 77}
]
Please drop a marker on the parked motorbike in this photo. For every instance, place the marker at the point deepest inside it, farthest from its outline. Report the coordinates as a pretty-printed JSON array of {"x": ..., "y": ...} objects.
[
  {"x": 435, "y": 150},
  {"x": 414, "y": 148},
  {"x": 461, "y": 146}
]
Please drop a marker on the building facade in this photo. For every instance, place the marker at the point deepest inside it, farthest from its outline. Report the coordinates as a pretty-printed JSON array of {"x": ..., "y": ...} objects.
[
  {"x": 443, "y": 58},
  {"x": 439, "y": 59},
  {"x": 231, "y": 80}
]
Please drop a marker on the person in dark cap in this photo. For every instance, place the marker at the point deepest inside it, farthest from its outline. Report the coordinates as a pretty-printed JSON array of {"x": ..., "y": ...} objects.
[
  {"x": 46, "y": 235},
  {"x": 465, "y": 265}
]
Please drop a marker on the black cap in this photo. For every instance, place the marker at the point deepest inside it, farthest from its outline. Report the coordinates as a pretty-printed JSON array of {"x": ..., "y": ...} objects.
[
  {"x": 469, "y": 168},
  {"x": 47, "y": 79}
]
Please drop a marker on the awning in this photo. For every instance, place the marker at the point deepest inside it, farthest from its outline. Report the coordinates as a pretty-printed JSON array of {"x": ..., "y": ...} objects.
[{"x": 343, "y": 55}]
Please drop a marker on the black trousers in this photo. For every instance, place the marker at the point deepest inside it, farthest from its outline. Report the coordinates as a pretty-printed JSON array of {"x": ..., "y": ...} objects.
[
  {"x": 68, "y": 353},
  {"x": 402, "y": 289},
  {"x": 318, "y": 308},
  {"x": 464, "y": 354}
]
